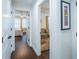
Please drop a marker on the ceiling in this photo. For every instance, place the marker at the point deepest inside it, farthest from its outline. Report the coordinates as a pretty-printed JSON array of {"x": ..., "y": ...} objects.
[
  {"x": 45, "y": 4},
  {"x": 24, "y": 3}
]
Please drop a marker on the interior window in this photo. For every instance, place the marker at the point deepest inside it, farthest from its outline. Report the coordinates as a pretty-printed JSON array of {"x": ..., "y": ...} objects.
[
  {"x": 24, "y": 23},
  {"x": 17, "y": 24}
]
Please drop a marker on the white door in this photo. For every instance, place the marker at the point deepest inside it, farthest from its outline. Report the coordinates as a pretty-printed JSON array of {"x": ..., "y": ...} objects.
[{"x": 7, "y": 29}]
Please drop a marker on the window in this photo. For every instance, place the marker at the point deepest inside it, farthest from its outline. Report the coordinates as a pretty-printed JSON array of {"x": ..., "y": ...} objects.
[
  {"x": 17, "y": 23},
  {"x": 24, "y": 23},
  {"x": 21, "y": 23}
]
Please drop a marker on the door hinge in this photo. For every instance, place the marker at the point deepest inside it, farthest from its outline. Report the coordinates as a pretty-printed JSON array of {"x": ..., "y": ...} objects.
[
  {"x": 11, "y": 45},
  {"x": 2, "y": 39}
]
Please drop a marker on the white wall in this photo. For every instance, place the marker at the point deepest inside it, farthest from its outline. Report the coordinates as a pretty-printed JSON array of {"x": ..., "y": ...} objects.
[
  {"x": 35, "y": 30},
  {"x": 35, "y": 27},
  {"x": 61, "y": 41},
  {"x": 54, "y": 28},
  {"x": 43, "y": 22},
  {"x": 66, "y": 37},
  {"x": 13, "y": 28},
  {"x": 43, "y": 19},
  {"x": 74, "y": 28},
  {"x": 8, "y": 29}
]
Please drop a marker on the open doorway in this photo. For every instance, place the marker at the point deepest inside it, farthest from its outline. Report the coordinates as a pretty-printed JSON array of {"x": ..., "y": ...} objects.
[
  {"x": 22, "y": 27},
  {"x": 45, "y": 37}
]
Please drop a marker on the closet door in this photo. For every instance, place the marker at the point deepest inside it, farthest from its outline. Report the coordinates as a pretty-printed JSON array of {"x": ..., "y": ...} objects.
[{"x": 6, "y": 29}]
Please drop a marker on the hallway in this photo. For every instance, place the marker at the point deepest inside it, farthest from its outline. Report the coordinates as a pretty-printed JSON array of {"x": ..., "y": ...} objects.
[
  {"x": 44, "y": 25},
  {"x": 25, "y": 52}
]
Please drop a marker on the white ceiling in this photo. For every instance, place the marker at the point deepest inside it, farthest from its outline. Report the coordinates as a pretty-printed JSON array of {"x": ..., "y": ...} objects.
[
  {"x": 27, "y": 4},
  {"x": 24, "y": 3},
  {"x": 45, "y": 4}
]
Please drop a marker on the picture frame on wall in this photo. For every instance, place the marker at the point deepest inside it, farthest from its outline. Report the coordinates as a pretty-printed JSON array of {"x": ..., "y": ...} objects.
[{"x": 65, "y": 16}]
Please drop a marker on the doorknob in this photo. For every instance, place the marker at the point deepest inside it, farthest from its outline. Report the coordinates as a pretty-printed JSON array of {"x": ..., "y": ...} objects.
[
  {"x": 76, "y": 34},
  {"x": 9, "y": 37},
  {"x": 2, "y": 39},
  {"x": 11, "y": 45},
  {"x": 11, "y": 29}
]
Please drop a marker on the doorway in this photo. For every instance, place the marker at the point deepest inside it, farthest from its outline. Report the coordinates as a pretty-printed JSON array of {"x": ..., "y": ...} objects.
[
  {"x": 45, "y": 37},
  {"x": 22, "y": 28}
]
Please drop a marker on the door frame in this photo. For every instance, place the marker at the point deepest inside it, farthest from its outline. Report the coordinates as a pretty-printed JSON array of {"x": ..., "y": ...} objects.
[{"x": 40, "y": 16}]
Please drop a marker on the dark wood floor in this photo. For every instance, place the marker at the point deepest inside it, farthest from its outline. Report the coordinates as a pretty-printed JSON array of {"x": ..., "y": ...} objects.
[
  {"x": 25, "y": 52},
  {"x": 44, "y": 55}
]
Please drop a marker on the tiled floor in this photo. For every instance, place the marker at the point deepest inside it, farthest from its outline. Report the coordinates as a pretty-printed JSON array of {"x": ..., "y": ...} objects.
[{"x": 25, "y": 52}]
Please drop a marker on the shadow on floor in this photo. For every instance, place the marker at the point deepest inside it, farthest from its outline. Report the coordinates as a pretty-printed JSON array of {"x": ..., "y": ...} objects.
[{"x": 26, "y": 52}]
